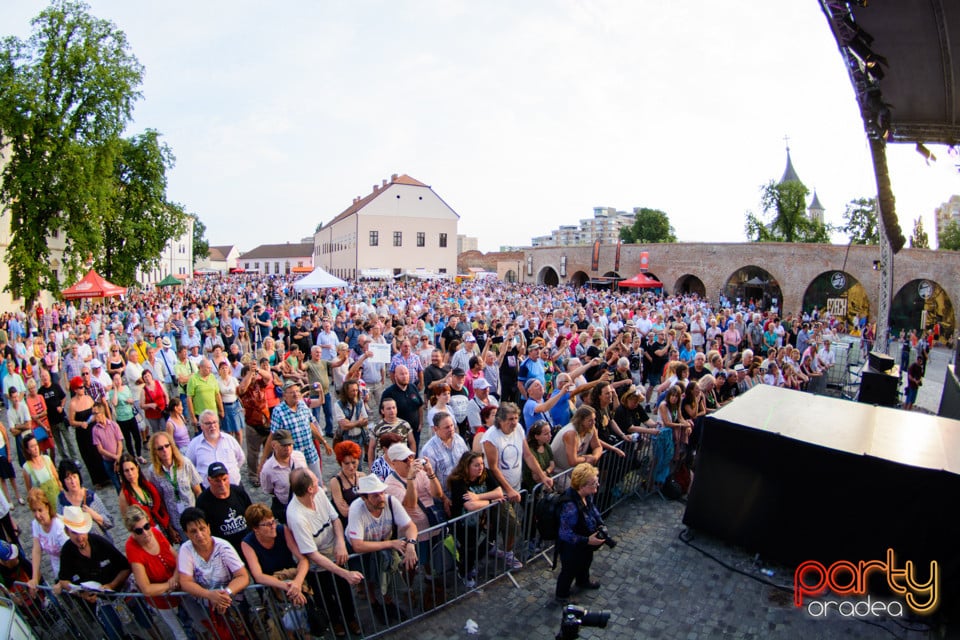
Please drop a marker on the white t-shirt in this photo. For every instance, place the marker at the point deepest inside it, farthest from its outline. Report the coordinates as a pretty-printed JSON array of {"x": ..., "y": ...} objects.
[
  {"x": 215, "y": 572},
  {"x": 313, "y": 528},
  {"x": 361, "y": 525},
  {"x": 510, "y": 454}
]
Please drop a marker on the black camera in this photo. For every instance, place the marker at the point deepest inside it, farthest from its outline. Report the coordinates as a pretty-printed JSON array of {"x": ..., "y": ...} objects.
[
  {"x": 604, "y": 535},
  {"x": 574, "y": 617}
]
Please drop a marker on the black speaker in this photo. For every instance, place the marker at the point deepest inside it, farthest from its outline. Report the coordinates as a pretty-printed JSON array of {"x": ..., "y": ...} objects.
[
  {"x": 878, "y": 387},
  {"x": 880, "y": 361}
]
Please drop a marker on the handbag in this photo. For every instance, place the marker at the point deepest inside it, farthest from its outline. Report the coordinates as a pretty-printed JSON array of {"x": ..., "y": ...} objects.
[{"x": 40, "y": 433}]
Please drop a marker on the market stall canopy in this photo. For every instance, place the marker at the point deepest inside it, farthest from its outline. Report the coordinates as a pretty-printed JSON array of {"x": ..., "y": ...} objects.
[
  {"x": 641, "y": 281},
  {"x": 170, "y": 281},
  {"x": 318, "y": 279},
  {"x": 93, "y": 285}
]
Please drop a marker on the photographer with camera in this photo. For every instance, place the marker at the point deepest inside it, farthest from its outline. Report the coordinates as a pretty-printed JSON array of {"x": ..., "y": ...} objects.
[{"x": 581, "y": 531}]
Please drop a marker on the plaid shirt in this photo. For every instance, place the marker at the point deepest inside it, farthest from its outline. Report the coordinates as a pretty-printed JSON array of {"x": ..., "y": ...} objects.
[
  {"x": 412, "y": 363},
  {"x": 297, "y": 422}
]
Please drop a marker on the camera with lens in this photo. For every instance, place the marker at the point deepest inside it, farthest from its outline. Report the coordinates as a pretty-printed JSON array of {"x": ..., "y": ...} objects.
[
  {"x": 604, "y": 535},
  {"x": 574, "y": 617}
]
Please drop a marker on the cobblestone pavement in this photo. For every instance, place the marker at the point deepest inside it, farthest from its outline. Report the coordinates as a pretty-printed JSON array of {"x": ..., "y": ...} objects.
[{"x": 655, "y": 585}]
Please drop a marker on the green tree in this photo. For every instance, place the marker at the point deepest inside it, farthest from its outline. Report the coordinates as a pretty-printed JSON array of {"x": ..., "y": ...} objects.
[
  {"x": 950, "y": 238},
  {"x": 650, "y": 226},
  {"x": 66, "y": 94},
  {"x": 140, "y": 222},
  {"x": 319, "y": 226},
  {"x": 784, "y": 205},
  {"x": 919, "y": 238},
  {"x": 201, "y": 247},
  {"x": 860, "y": 220}
]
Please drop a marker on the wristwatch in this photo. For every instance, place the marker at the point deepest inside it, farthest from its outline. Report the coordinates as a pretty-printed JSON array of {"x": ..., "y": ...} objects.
[
  {"x": 229, "y": 592},
  {"x": 409, "y": 540}
]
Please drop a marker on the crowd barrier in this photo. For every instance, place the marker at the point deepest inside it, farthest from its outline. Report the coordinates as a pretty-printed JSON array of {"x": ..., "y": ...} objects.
[{"x": 457, "y": 558}]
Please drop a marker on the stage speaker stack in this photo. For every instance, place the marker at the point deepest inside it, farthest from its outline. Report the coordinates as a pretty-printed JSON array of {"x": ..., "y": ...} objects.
[
  {"x": 879, "y": 380},
  {"x": 798, "y": 477}
]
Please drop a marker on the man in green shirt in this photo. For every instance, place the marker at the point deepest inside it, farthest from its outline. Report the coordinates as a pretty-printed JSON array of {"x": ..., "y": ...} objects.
[
  {"x": 203, "y": 392},
  {"x": 183, "y": 370}
]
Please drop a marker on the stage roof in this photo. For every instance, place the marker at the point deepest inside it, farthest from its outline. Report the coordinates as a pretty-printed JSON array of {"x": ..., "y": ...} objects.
[{"x": 919, "y": 40}]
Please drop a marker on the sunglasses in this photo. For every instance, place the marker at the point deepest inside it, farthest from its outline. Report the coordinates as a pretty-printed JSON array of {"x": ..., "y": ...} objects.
[
  {"x": 140, "y": 530},
  {"x": 161, "y": 447}
]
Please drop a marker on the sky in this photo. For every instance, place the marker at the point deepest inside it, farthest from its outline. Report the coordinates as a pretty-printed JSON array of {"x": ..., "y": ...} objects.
[{"x": 522, "y": 116}]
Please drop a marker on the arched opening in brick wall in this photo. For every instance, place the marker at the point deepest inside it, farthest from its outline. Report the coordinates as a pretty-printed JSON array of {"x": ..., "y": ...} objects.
[
  {"x": 612, "y": 274},
  {"x": 690, "y": 284},
  {"x": 510, "y": 276},
  {"x": 548, "y": 276},
  {"x": 753, "y": 284},
  {"x": 579, "y": 279},
  {"x": 919, "y": 305},
  {"x": 839, "y": 293}
]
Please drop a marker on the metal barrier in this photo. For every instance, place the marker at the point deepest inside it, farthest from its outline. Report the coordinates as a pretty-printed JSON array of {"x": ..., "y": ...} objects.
[{"x": 456, "y": 558}]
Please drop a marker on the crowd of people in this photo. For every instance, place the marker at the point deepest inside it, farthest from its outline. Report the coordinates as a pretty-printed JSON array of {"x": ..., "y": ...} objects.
[{"x": 436, "y": 399}]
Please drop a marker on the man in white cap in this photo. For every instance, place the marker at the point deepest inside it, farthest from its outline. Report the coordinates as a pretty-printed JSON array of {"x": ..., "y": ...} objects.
[
  {"x": 481, "y": 399},
  {"x": 370, "y": 530},
  {"x": 98, "y": 373},
  {"x": 413, "y": 482},
  {"x": 167, "y": 363},
  {"x": 91, "y": 559}
]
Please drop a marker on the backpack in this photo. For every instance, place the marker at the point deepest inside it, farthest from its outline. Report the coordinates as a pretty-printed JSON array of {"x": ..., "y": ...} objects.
[{"x": 546, "y": 514}]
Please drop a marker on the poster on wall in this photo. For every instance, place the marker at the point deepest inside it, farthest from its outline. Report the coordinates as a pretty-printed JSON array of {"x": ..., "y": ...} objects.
[
  {"x": 837, "y": 307},
  {"x": 595, "y": 259}
]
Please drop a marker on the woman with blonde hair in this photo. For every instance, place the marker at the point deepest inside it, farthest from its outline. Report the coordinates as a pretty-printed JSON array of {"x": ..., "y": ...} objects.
[
  {"x": 174, "y": 476},
  {"x": 578, "y": 538},
  {"x": 577, "y": 442}
]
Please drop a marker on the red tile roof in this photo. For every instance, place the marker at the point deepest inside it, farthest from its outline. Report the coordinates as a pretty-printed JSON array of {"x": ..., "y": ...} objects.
[{"x": 362, "y": 202}]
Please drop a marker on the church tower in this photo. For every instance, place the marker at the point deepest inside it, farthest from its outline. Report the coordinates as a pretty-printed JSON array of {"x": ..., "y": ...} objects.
[{"x": 815, "y": 211}]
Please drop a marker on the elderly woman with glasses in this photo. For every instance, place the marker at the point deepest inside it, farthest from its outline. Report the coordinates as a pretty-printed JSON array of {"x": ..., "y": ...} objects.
[
  {"x": 578, "y": 538},
  {"x": 153, "y": 562}
]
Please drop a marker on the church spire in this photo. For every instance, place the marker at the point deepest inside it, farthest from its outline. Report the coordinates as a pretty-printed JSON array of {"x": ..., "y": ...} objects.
[{"x": 789, "y": 173}]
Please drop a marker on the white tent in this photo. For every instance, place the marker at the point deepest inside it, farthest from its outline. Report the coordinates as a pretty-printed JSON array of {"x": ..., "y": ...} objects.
[{"x": 318, "y": 279}]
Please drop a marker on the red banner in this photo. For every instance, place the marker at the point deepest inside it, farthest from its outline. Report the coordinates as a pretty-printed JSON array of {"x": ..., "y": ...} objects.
[
  {"x": 595, "y": 262},
  {"x": 616, "y": 261}
]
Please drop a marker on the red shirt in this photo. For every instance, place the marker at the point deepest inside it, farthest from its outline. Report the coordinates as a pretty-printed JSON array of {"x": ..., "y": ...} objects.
[{"x": 159, "y": 568}]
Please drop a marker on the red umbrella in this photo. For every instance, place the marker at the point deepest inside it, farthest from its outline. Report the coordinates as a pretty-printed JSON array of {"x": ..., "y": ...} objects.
[{"x": 93, "y": 286}]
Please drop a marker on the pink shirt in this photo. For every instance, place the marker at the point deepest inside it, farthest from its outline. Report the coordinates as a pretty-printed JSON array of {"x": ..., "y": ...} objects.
[{"x": 107, "y": 435}]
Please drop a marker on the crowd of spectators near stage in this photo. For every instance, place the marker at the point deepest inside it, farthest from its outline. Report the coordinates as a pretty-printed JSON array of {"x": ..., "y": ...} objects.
[{"x": 179, "y": 403}]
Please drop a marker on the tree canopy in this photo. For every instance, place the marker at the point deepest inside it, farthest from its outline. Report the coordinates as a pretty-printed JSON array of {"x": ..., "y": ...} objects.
[
  {"x": 201, "y": 248},
  {"x": 860, "y": 218},
  {"x": 650, "y": 226},
  {"x": 66, "y": 95},
  {"x": 919, "y": 238},
  {"x": 950, "y": 237},
  {"x": 784, "y": 205}
]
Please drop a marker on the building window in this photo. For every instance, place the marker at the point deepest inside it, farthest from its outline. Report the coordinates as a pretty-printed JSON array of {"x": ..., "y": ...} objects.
[
  {"x": 276, "y": 267},
  {"x": 443, "y": 240},
  {"x": 398, "y": 238},
  {"x": 374, "y": 238},
  {"x": 55, "y": 274},
  {"x": 288, "y": 267},
  {"x": 246, "y": 266},
  {"x": 443, "y": 270},
  {"x": 55, "y": 233},
  {"x": 421, "y": 239},
  {"x": 396, "y": 271},
  {"x": 299, "y": 263},
  {"x": 256, "y": 265}
]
